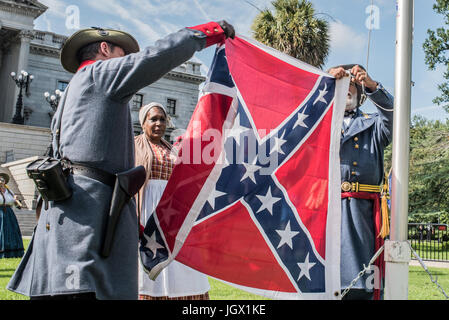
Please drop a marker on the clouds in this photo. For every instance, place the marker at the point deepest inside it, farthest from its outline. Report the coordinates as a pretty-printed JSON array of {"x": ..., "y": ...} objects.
[
  {"x": 431, "y": 112},
  {"x": 149, "y": 20},
  {"x": 347, "y": 42},
  {"x": 156, "y": 18},
  {"x": 429, "y": 80},
  {"x": 113, "y": 7},
  {"x": 201, "y": 10},
  {"x": 55, "y": 7},
  {"x": 159, "y": 8}
]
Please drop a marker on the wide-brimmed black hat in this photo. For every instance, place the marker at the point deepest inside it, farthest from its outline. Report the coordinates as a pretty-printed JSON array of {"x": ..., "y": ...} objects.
[
  {"x": 84, "y": 37},
  {"x": 361, "y": 96},
  {"x": 4, "y": 176}
]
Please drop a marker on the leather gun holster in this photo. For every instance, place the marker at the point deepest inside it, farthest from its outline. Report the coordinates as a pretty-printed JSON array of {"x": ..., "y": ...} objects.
[{"x": 127, "y": 184}]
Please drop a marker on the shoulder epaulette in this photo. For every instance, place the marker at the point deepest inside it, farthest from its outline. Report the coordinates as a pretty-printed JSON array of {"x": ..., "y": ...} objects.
[{"x": 367, "y": 116}]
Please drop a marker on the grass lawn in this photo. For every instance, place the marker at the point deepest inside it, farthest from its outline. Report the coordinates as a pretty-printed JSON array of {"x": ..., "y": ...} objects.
[
  {"x": 420, "y": 286},
  {"x": 7, "y": 268}
]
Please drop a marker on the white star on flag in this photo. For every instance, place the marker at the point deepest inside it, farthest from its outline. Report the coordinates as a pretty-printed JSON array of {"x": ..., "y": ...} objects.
[
  {"x": 305, "y": 267},
  {"x": 278, "y": 143},
  {"x": 250, "y": 170},
  {"x": 237, "y": 130},
  {"x": 152, "y": 244},
  {"x": 321, "y": 95},
  {"x": 267, "y": 201},
  {"x": 287, "y": 236},
  {"x": 301, "y": 118},
  {"x": 214, "y": 195}
]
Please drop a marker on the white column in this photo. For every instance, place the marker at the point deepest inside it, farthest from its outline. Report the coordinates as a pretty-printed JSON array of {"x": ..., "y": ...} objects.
[
  {"x": 397, "y": 250},
  {"x": 25, "y": 37},
  {"x": 24, "y": 51}
]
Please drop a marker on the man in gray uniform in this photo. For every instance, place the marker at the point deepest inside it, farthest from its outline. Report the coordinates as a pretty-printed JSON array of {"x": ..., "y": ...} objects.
[
  {"x": 95, "y": 132},
  {"x": 363, "y": 140}
]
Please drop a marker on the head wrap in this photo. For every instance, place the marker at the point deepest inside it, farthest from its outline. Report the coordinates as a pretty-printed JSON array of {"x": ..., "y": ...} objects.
[{"x": 145, "y": 109}]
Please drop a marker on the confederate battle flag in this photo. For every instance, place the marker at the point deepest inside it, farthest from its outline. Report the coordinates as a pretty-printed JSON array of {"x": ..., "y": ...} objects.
[{"x": 254, "y": 199}]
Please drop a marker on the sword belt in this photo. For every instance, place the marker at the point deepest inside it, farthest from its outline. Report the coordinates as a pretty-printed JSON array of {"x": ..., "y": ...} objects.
[
  {"x": 358, "y": 187},
  {"x": 93, "y": 173}
]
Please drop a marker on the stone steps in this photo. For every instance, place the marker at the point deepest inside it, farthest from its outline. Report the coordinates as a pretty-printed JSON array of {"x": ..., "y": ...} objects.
[{"x": 27, "y": 221}]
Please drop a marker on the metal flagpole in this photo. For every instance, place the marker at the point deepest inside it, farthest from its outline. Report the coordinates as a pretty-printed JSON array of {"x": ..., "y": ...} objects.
[{"x": 397, "y": 249}]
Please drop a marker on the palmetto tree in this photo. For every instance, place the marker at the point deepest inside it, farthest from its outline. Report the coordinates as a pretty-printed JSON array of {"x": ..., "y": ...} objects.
[{"x": 294, "y": 29}]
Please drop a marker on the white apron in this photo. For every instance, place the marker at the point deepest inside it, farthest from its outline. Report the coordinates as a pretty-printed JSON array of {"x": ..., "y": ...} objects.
[{"x": 175, "y": 280}]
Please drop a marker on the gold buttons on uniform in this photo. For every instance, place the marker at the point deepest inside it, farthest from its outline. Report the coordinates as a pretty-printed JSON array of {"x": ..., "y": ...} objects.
[
  {"x": 353, "y": 173},
  {"x": 356, "y": 146},
  {"x": 356, "y": 139},
  {"x": 355, "y": 163}
]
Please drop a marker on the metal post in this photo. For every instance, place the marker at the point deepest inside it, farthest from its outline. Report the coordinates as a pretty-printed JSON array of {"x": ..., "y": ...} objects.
[
  {"x": 18, "y": 118},
  {"x": 397, "y": 250},
  {"x": 22, "y": 81}
]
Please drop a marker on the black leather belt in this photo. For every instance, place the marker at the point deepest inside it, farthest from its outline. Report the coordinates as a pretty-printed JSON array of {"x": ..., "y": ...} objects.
[{"x": 94, "y": 173}]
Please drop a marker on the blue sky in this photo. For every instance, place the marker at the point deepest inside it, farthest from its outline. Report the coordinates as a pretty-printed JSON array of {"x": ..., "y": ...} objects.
[{"x": 149, "y": 20}]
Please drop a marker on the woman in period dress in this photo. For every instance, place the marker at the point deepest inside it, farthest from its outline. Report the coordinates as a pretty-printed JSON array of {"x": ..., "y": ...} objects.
[
  {"x": 176, "y": 281},
  {"x": 11, "y": 244}
]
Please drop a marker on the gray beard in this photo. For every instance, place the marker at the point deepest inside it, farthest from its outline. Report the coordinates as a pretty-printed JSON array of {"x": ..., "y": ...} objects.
[{"x": 351, "y": 103}]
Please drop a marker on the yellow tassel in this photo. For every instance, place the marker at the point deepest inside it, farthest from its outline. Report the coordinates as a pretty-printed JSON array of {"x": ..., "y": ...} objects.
[{"x": 385, "y": 229}]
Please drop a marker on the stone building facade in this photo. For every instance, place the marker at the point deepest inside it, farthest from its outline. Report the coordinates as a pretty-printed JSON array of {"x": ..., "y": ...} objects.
[{"x": 37, "y": 52}]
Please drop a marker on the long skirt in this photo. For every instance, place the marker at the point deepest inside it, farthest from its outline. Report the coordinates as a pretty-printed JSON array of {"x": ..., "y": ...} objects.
[{"x": 11, "y": 244}]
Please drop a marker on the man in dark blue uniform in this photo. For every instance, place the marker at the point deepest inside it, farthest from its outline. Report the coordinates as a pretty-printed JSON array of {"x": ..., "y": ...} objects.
[{"x": 363, "y": 140}]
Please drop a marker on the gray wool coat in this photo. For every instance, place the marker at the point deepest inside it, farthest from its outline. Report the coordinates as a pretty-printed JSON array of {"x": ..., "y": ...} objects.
[
  {"x": 362, "y": 160},
  {"x": 96, "y": 129}
]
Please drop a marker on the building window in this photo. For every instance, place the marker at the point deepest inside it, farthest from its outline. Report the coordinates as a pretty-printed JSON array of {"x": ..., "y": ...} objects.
[
  {"x": 168, "y": 135},
  {"x": 10, "y": 156},
  {"x": 137, "y": 128},
  {"x": 62, "y": 85},
  {"x": 137, "y": 101},
  {"x": 171, "y": 106}
]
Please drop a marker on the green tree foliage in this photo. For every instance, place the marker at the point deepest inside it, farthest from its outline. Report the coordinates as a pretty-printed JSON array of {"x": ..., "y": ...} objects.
[
  {"x": 429, "y": 170},
  {"x": 436, "y": 48},
  {"x": 293, "y": 29}
]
